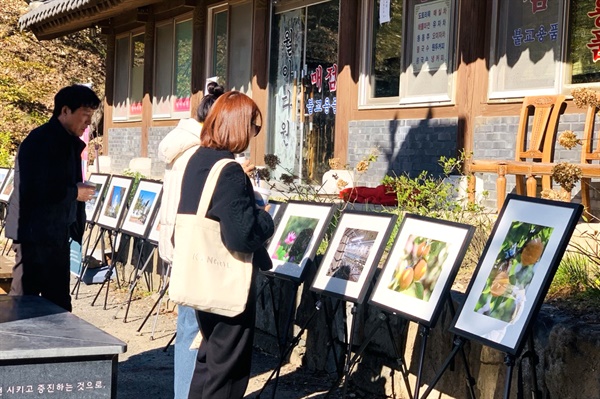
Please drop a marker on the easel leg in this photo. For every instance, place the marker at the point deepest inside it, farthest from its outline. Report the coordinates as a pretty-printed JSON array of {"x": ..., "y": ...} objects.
[
  {"x": 138, "y": 275},
  {"x": 458, "y": 345},
  {"x": 400, "y": 354},
  {"x": 470, "y": 380},
  {"x": 283, "y": 335},
  {"x": 349, "y": 358},
  {"x": 109, "y": 272},
  {"x": 162, "y": 292},
  {"x": 424, "y": 333},
  {"x": 288, "y": 350},
  {"x": 509, "y": 360},
  {"x": 86, "y": 262}
]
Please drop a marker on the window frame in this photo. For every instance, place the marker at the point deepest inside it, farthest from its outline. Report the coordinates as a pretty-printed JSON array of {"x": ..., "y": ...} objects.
[
  {"x": 129, "y": 35},
  {"x": 211, "y": 12},
  {"x": 365, "y": 99},
  {"x": 494, "y": 95},
  {"x": 567, "y": 69},
  {"x": 187, "y": 17}
]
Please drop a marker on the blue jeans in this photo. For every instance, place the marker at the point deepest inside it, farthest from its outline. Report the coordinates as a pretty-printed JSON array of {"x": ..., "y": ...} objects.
[{"x": 185, "y": 359}]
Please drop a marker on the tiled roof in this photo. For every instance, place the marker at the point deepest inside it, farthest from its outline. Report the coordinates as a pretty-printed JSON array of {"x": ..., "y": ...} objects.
[{"x": 49, "y": 9}]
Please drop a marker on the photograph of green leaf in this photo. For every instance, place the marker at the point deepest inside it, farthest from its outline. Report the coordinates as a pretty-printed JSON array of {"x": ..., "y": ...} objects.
[
  {"x": 419, "y": 268},
  {"x": 506, "y": 287}
]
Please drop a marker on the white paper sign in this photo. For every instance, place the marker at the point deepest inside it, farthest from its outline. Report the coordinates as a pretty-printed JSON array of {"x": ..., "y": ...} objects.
[{"x": 384, "y": 11}]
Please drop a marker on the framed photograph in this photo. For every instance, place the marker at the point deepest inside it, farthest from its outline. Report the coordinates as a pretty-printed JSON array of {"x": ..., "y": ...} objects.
[
  {"x": 8, "y": 186},
  {"x": 421, "y": 267},
  {"x": 142, "y": 208},
  {"x": 153, "y": 234},
  {"x": 276, "y": 210},
  {"x": 3, "y": 174},
  {"x": 353, "y": 254},
  {"x": 297, "y": 238},
  {"x": 100, "y": 180},
  {"x": 515, "y": 271},
  {"x": 115, "y": 202}
]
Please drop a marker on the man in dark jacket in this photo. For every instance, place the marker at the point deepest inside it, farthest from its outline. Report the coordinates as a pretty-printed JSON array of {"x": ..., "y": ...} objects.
[{"x": 46, "y": 208}]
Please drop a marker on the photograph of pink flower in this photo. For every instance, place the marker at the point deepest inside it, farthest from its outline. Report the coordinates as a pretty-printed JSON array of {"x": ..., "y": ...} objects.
[{"x": 295, "y": 238}]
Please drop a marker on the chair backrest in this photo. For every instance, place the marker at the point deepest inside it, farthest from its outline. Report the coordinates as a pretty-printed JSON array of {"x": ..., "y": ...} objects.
[
  {"x": 546, "y": 111},
  {"x": 589, "y": 151}
]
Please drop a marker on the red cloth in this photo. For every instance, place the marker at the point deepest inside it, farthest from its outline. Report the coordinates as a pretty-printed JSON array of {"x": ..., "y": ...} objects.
[{"x": 380, "y": 195}]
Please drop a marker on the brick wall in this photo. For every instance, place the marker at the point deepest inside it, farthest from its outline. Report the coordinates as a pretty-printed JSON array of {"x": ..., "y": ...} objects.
[
  {"x": 124, "y": 144},
  {"x": 495, "y": 138},
  {"x": 405, "y": 146}
]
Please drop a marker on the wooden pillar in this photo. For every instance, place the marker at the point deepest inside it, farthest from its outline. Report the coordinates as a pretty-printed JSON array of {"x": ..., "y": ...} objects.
[
  {"x": 260, "y": 76},
  {"x": 198, "y": 55},
  {"x": 109, "y": 85},
  {"x": 148, "y": 85},
  {"x": 471, "y": 82},
  {"x": 348, "y": 43}
]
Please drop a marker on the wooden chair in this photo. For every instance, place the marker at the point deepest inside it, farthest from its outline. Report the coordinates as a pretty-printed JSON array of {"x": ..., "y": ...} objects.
[
  {"x": 545, "y": 112},
  {"x": 589, "y": 153}
]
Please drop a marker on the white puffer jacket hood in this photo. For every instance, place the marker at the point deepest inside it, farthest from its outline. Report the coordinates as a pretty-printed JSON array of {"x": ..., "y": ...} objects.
[
  {"x": 185, "y": 135},
  {"x": 175, "y": 149}
]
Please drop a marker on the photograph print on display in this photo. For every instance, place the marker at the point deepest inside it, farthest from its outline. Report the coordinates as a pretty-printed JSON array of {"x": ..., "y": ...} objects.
[
  {"x": 99, "y": 180},
  {"x": 515, "y": 271},
  {"x": 353, "y": 254},
  {"x": 3, "y": 175},
  {"x": 8, "y": 186},
  {"x": 115, "y": 202},
  {"x": 143, "y": 205},
  {"x": 297, "y": 238},
  {"x": 421, "y": 267}
]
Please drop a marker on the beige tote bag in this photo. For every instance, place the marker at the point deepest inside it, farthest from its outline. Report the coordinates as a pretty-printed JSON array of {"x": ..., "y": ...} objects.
[{"x": 205, "y": 275}]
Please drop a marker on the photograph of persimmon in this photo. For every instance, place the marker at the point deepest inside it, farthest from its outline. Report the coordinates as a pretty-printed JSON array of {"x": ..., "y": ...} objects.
[
  {"x": 505, "y": 291},
  {"x": 419, "y": 268}
]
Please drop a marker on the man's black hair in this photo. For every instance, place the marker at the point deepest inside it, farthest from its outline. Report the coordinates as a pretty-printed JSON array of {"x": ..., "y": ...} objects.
[{"x": 74, "y": 97}]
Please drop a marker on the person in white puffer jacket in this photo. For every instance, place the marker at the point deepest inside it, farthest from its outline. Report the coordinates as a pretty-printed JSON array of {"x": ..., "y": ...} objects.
[{"x": 175, "y": 150}]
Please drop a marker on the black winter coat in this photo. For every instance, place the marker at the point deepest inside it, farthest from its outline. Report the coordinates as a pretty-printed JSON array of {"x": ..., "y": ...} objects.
[
  {"x": 244, "y": 228},
  {"x": 43, "y": 207}
]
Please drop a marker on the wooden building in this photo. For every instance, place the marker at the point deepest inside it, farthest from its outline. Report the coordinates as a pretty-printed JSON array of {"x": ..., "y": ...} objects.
[{"x": 416, "y": 79}]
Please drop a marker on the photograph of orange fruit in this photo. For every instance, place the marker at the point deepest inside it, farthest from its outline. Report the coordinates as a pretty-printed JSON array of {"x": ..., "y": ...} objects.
[
  {"x": 419, "y": 267},
  {"x": 505, "y": 290}
]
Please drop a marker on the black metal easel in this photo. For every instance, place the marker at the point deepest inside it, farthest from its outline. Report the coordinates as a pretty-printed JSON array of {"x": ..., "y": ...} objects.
[
  {"x": 458, "y": 346},
  {"x": 139, "y": 272},
  {"x": 351, "y": 361},
  {"x": 161, "y": 293},
  {"x": 510, "y": 360},
  {"x": 112, "y": 267},
  {"x": 319, "y": 304}
]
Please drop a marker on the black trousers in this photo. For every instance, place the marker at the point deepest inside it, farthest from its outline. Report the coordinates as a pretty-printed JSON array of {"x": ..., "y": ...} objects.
[
  {"x": 43, "y": 269},
  {"x": 225, "y": 354}
]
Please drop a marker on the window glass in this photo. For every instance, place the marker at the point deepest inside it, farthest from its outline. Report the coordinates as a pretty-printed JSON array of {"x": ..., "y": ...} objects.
[
  {"x": 219, "y": 47},
  {"x": 163, "y": 70},
  {"x": 429, "y": 60},
  {"x": 303, "y": 89},
  {"x": 121, "y": 90},
  {"x": 386, "y": 51},
  {"x": 240, "y": 48},
  {"x": 409, "y": 51},
  {"x": 584, "y": 45},
  {"x": 526, "y": 47},
  {"x": 183, "y": 66},
  {"x": 137, "y": 77}
]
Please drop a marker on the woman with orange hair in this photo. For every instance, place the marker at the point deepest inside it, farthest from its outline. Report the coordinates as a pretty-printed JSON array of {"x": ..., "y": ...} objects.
[{"x": 223, "y": 363}]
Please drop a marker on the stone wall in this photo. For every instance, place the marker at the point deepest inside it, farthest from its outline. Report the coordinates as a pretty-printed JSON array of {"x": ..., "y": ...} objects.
[{"x": 566, "y": 347}]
